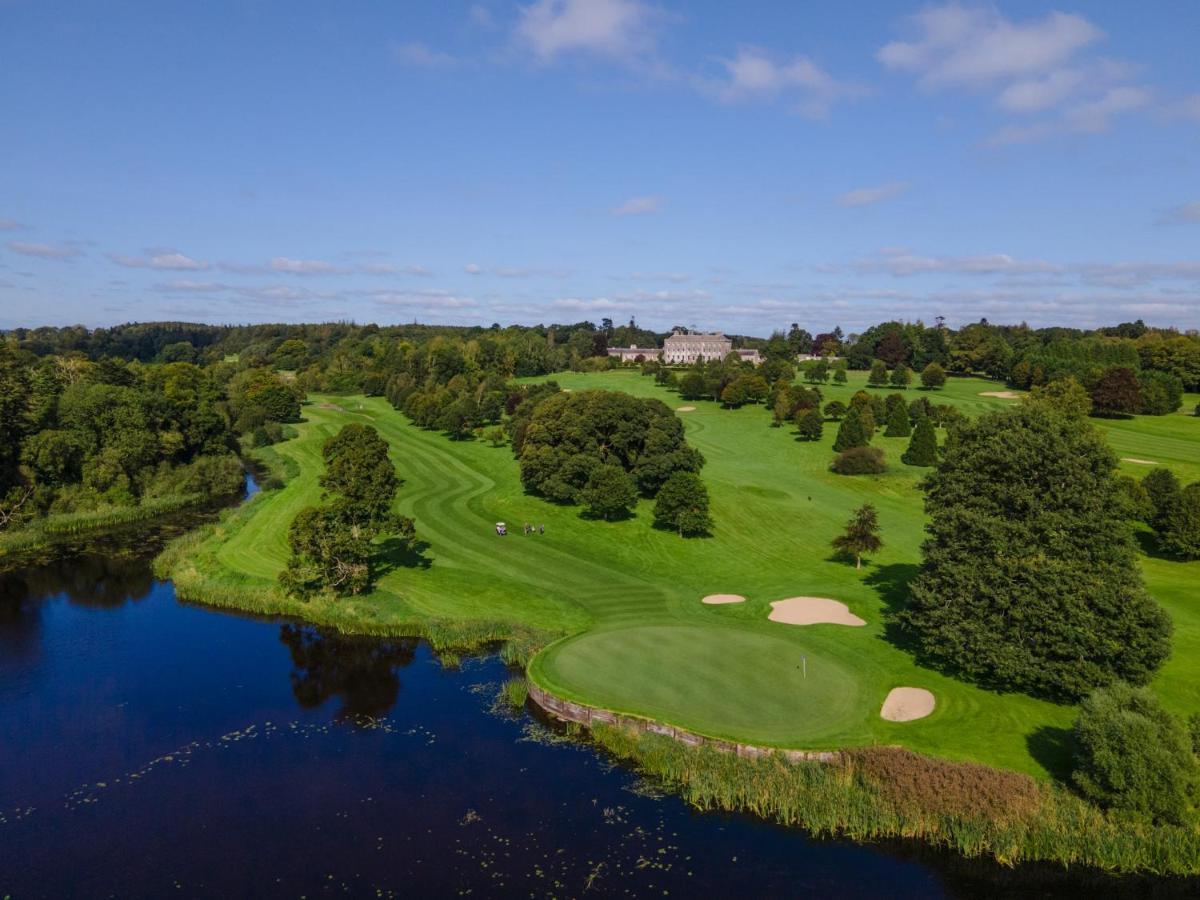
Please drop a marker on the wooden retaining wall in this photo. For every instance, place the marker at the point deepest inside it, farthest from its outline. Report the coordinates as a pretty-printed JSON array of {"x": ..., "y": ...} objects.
[{"x": 588, "y": 715}]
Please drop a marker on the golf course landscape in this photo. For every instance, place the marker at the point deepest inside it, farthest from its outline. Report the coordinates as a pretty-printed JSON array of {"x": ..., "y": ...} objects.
[{"x": 618, "y": 604}]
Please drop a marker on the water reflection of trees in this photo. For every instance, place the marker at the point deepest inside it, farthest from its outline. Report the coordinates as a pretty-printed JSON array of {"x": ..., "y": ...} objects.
[
  {"x": 359, "y": 670},
  {"x": 85, "y": 579}
]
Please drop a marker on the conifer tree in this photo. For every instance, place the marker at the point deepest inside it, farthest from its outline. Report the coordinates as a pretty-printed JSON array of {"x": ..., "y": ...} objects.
[
  {"x": 898, "y": 424},
  {"x": 922, "y": 449},
  {"x": 851, "y": 432},
  {"x": 901, "y": 376},
  {"x": 879, "y": 374},
  {"x": 861, "y": 535}
]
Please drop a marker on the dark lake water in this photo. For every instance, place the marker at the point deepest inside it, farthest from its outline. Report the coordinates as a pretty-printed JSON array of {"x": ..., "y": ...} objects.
[{"x": 150, "y": 748}]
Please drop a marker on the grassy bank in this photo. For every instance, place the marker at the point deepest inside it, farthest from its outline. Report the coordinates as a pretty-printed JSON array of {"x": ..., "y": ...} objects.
[
  {"x": 43, "y": 534},
  {"x": 891, "y": 793}
]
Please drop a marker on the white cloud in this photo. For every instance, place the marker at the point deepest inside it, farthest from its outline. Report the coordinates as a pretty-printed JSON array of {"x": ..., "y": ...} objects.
[
  {"x": 44, "y": 251},
  {"x": 868, "y": 196},
  {"x": 164, "y": 259},
  {"x": 1091, "y": 117},
  {"x": 640, "y": 206},
  {"x": 619, "y": 29},
  {"x": 389, "y": 269},
  {"x": 1042, "y": 93},
  {"x": 978, "y": 47},
  {"x": 304, "y": 266},
  {"x": 1036, "y": 67},
  {"x": 594, "y": 304},
  {"x": 414, "y": 53},
  {"x": 184, "y": 286},
  {"x": 1187, "y": 108},
  {"x": 1185, "y": 214},
  {"x": 480, "y": 15},
  {"x": 472, "y": 269},
  {"x": 422, "y": 299},
  {"x": 753, "y": 74}
]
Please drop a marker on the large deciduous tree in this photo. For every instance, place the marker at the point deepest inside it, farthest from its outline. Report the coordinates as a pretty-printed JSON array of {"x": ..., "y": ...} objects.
[
  {"x": 933, "y": 376},
  {"x": 1117, "y": 393},
  {"x": 609, "y": 492},
  {"x": 1180, "y": 534},
  {"x": 1030, "y": 579},
  {"x": 682, "y": 505},
  {"x": 332, "y": 545}
]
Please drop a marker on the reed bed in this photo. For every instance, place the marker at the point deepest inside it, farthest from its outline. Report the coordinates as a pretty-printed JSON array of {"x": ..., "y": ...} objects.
[{"x": 885, "y": 792}]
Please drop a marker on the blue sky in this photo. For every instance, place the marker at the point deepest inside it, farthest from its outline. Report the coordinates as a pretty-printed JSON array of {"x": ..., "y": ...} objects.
[{"x": 737, "y": 166}]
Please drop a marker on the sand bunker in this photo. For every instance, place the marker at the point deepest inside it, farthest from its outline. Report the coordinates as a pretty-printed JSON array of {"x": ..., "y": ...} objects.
[
  {"x": 1140, "y": 462},
  {"x": 813, "y": 611},
  {"x": 332, "y": 406},
  {"x": 1003, "y": 395},
  {"x": 903, "y": 704},
  {"x": 718, "y": 599},
  {"x": 686, "y": 409}
]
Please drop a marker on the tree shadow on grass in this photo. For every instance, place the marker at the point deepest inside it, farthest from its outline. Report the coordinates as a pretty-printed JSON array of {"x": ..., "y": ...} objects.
[
  {"x": 891, "y": 583},
  {"x": 1053, "y": 748},
  {"x": 394, "y": 553},
  {"x": 1148, "y": 543}
]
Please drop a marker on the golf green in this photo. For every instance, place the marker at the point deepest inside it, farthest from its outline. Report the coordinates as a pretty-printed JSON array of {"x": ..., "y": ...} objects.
[{"x": 718, "y": 681}]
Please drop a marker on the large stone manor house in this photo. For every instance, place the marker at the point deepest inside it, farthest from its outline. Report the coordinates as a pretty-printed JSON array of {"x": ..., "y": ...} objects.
[{"x": 684, "y": 347}]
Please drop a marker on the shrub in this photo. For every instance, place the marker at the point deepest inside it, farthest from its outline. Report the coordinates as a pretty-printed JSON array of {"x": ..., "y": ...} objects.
[
  {"x": 1134, "y": 757},
  {"x": 859, "y": 461}
]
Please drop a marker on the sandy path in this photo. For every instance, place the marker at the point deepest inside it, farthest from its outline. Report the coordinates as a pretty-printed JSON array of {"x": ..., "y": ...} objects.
[
  {"x": 813, "y": 611},
  {"x": 1140, "y": 462},
  {"x": 903, "y": 704},
  {"x": 1003, "y": 395},
  {"x": 717, "y": 599},
  {"x": 685, "y": 409}
]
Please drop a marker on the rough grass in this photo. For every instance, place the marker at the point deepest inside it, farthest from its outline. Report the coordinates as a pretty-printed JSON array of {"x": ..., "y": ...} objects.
[
  {"x": 776, "y": 506},
  {"x": 887, "y": 793}
]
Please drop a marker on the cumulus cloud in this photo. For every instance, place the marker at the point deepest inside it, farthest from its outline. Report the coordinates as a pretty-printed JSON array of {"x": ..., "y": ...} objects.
[
  {"x": 414, "y": 53},
  {"x": 422, "y": 299},
  {"x": 1185, "y": 214},
  {"x": 641, "y": 206},
  {"x": 869, "y": 196},
  {"x": 161, "y": 259},
  {"x": 473, "y": 269},
  {"x": 619, "y": 29},
  {"x": 592, "y": 304},
  {"x": 964, "y": 47},
  {"x": 45, "y": 251},
  {"x": 1038, "y": 69},
  {"x": 304, "y": 266},
  {"x": 754, "y": 74}
]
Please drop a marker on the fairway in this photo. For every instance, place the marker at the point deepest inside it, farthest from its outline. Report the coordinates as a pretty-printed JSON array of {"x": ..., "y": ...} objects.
[{"x": 629, "y": 596}]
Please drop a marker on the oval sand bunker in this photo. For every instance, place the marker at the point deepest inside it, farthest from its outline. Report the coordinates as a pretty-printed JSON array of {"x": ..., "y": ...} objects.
[
  {"x": 1002, "y": 395},
  {"x": 813, "y": 611},
  {"x": 717, "y": 599},
  {"x": 904, "y": 704},
  {"x": 685, "y": 409}
]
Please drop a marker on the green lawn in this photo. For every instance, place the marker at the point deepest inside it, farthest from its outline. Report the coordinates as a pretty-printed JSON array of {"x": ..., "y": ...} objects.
[{"x": 629, "y": 594}]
